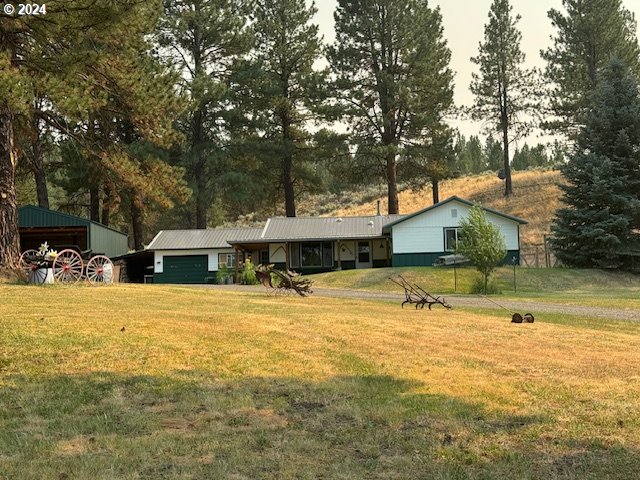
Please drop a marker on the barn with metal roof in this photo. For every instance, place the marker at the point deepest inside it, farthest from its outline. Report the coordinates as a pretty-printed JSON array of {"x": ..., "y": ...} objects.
[{"x": 61, "y": 230}]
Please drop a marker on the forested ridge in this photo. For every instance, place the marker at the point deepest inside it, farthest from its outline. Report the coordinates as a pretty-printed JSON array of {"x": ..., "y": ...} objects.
[{"x": 195, "y": 113}]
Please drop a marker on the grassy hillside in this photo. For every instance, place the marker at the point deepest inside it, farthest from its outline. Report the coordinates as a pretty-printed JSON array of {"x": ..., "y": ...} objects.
[
  {"x": 536, "y": 197},
  {"x": 167, "y": 382}
]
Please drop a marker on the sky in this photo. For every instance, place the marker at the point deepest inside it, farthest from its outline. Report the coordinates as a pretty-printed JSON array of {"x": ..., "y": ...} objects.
[{"x": 463, "y": 22}]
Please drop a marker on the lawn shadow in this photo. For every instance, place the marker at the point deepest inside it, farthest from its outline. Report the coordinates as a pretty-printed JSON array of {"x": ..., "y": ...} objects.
[{"x": 192, "y": 425}]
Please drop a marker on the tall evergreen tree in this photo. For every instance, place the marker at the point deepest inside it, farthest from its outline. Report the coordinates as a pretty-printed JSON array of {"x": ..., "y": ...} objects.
[
  {"x": 286, "y": 92},
  {"x": 503, "y": 89},
  {"x": 203, "y": 39},
  {"x": 493, "y": 153},
  {"x": 82, "y": 58},
  {"x": 589, "y": 34},
  {"x": 600, "y": 227},
  {"x": 394, "y": 83}
]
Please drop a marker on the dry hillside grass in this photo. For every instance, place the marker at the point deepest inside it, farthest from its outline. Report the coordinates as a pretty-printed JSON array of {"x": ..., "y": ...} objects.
[{"x": 536, "y": 196}]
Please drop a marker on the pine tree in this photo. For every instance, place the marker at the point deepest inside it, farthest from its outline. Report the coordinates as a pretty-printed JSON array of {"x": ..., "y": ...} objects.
[
  {"x": 600, "y": 225},
  {"x": 481, "y": 242},
  {"x": 394, "y": 84},
  {"x": 589, "y": 34},
  {"x": 286, "y": 92},
  {"x": 204, "y": 39},
  {"x": 493, "y": 153},
  {"x": 503, "y": 89}
]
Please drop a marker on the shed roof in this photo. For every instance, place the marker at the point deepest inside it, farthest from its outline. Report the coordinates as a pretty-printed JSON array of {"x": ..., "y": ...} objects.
[
  {"x": 33, "y": 216},
  {"x": 201, "y": 239},
  {"x": 320, "y": 228},
  {"x": 458, "y": 199}
]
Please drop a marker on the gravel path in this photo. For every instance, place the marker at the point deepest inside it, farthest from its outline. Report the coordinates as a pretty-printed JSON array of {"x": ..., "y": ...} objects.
[{"x": 519, "y": 306}]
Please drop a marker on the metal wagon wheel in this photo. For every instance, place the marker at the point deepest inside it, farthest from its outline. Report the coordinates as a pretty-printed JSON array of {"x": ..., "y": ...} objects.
[
  {"x": 26, "y": 266},
  {"x": 67, "y": 267},
  {"x": 100, "y": 270}
]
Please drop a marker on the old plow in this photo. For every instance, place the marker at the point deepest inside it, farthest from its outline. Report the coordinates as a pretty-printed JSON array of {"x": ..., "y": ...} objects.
[{"x": 416, "y": 295}]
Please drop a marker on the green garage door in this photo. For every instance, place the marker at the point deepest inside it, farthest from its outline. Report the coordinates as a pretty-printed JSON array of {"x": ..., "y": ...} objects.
[{"x": 184, "y": 269}]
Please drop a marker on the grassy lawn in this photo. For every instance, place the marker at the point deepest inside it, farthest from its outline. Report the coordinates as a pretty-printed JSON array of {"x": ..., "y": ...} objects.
[
  {"x": 552, "y": 285},
  {"x": 203, "y": 384}
]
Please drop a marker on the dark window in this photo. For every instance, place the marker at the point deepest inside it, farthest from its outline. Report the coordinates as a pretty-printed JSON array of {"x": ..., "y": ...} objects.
[
  {"x": 327, "y": 254},
  {"x": 311, "y": 255},
  {"x": 294, "y": 255},
  {"x": 451, "y": 237},
  {"x": 364, "y": 252},
  {"x": 264, "y": 257}
]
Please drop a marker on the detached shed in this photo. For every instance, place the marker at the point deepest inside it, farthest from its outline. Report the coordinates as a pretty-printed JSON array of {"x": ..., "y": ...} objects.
[{"x": 60, "y": 230}]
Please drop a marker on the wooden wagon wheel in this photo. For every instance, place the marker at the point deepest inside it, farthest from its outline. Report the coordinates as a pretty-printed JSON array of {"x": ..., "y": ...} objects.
[
  {"x": 67, "y": 267},
  {"x": 100, "y": 270},
  {"x": 26, "y": 266}
]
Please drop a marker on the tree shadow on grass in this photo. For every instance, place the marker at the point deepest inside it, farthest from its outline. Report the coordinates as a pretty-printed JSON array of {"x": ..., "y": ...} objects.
[{"x": 191, "y": 425}]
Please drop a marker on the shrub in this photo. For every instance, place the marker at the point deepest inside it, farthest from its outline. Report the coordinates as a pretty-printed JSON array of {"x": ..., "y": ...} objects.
[
  {"x": 478, "y": 286},
  {"x": 248, "y": 274}
]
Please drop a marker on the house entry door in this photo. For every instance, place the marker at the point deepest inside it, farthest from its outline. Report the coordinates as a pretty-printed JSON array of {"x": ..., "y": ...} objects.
[{"x": 363, "y": 255}]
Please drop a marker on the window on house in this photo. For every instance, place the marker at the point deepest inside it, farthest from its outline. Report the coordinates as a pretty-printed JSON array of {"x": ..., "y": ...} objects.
[
  {"x": 294, "y": 255},
  {"x": 451, "y": 237},
  {"x": 454, "y": 213},
  {"x": 227, "y": 260},
  {"x": 311, "y": 254},
  {"x": 264, "y": 257},
  {"x": 327, "y": 254}
]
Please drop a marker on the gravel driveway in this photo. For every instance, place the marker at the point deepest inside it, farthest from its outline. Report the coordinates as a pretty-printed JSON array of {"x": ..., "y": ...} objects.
[{"x": 519, "y": 306}]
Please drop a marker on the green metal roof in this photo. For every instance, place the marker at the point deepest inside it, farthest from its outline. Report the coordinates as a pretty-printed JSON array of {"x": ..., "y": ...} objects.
[{"x": 101, "y": 239}]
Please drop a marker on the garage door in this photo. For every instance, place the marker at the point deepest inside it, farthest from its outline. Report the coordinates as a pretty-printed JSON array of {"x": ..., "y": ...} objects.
[{"x": 184, "y": 269}]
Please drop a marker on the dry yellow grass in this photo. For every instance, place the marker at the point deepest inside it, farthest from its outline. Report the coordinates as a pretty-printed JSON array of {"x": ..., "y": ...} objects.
[
  {"x": 205, "y": 384},
  {"x": 536, "y": 197}
]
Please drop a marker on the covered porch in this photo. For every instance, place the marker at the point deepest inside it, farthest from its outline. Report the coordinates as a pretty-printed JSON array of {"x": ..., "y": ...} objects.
[{"x": 317, "y": 255}]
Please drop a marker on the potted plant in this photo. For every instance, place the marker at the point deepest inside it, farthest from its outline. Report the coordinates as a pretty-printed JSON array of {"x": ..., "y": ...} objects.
[{"x": 39, "y": 264}]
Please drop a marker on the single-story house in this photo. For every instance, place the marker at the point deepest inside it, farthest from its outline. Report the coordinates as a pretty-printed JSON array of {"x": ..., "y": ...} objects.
[
  {"x": 312, "y": 245},
  {"x": 195, "y": 256},
  {"x": 60, "y": 230}
]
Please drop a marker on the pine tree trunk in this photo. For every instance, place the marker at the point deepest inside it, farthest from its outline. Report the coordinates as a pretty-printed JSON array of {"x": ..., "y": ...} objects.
[
  {"x": 504, "y": 120},
  {"x": 40, "y": 177},
  {"x": 201, "y": 200},
  {"x": 9, "y": 237},
  {"x": 287, "y": 182},
  {"x": 136, "y": 221},
  {"x": 94, "y": 203},
  {"x": 392, "y": 184},
  {"x": 435, "y": 183},
  {"x": 106, "y": 206}
]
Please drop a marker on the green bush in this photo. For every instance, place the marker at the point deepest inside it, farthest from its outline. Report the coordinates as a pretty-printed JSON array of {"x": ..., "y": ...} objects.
[
  {"x": 248, "y": 274},
  {"x": 222, "y": 275},
  {"x": 478, "y": 286}
]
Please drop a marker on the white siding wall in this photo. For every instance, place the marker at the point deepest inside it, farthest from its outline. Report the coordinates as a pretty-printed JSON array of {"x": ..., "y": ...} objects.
[
  {"x": 425, "y": 233},
  {"x": 212, "y": 256},
  {"x": 379, "y": 253},
  {"x": 277, "y": 253},
  {"x": 347, "y": 251}
]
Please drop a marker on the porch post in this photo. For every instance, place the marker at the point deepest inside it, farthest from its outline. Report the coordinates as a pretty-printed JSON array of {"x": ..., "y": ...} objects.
[
  {"x": 339, "y": 248},
  {"x": 237, "y": 254},
  {"x": 286, "y": 253},
  {"x": 388, "y": 252}
]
